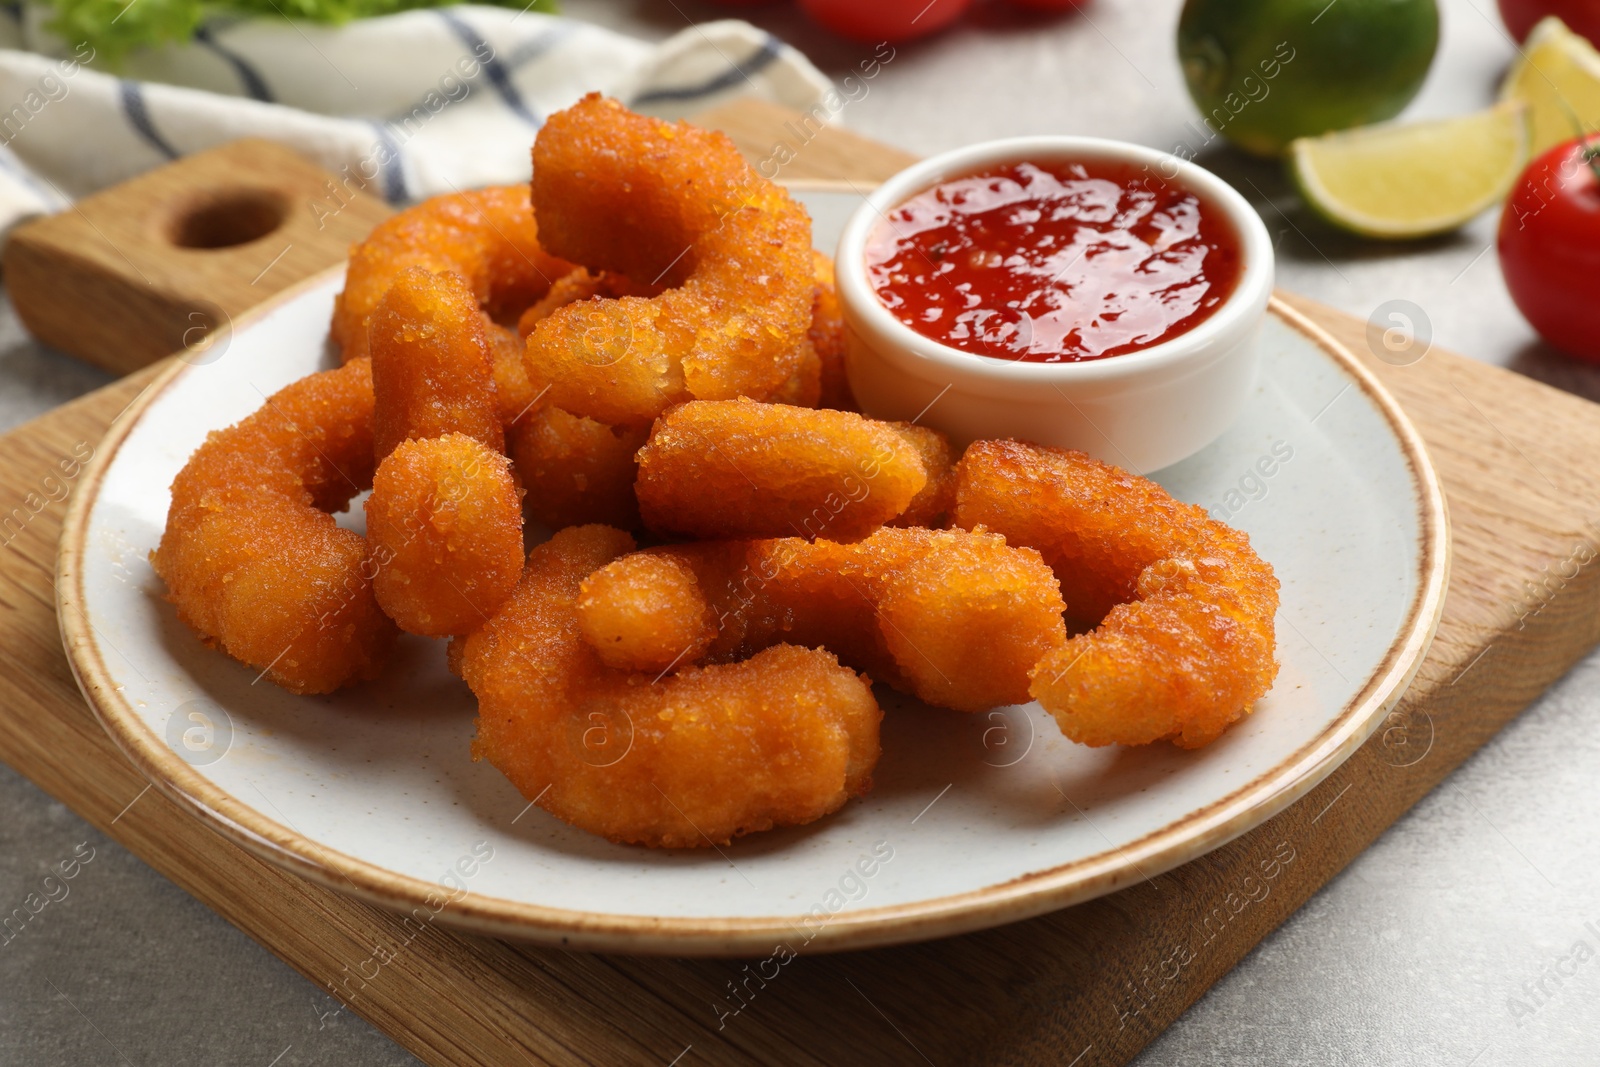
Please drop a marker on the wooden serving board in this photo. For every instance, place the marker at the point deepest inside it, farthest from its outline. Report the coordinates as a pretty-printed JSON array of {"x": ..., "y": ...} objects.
[{"x": 1088, "y": 985}]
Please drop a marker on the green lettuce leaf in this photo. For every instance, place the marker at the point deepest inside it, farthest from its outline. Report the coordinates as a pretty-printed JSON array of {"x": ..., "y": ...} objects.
[{"x": 113, "y": 27}]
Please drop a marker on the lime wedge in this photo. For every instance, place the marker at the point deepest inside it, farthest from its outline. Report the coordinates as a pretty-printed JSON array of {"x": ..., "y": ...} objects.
[
  {"x": 1415, "y": 179},
  {"x": 1558, "y": 75}
]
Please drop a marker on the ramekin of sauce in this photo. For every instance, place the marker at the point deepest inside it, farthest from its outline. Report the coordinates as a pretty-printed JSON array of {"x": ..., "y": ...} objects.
[{"x": 1070, "y": 291}]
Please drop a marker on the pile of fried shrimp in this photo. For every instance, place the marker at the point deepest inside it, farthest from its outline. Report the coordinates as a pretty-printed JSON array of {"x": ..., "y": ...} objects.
[{"x": 640, "y": 351}]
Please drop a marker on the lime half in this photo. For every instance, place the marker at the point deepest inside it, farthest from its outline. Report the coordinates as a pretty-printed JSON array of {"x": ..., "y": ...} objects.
[
  {"x": 1413, "y": 179},
  {"x": 1558, "y": 75}
]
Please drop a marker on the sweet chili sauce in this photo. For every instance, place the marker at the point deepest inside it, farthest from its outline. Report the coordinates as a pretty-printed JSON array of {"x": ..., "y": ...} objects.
[{"x": 1054, "y": 263}]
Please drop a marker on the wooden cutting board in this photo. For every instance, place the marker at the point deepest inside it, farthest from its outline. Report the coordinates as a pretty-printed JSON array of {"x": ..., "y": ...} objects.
[{"x": 1088, "y": 985}]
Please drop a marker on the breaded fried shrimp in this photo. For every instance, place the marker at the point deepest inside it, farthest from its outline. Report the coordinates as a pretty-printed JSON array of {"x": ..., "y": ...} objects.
[
  {"x": 803, "y": 388},
  {"x": 932, "y": 505},
  {"x": 818, "y": 359},
  {"x": 577, "y": 470},
  {"x": 955, "y": 618},
  {"x": 827, "y": 338},
  {"x": 515, "y": 397},
  {"x": 689, "y": 760},
  {"x": 445, "y": 522},
  {"x": 647, "y": 615},
  {"x": 432, "y": 368},
  {"x": 576, "y": 286},
  {"x": 736, "y": 468},
  {"x": 251, "y": 557},
  {"x": 1185, "y": 609},
  {"x": 487, "y": 236},
  {"x": 665, "y": 204},
  {"x": 445, "y": 514}
]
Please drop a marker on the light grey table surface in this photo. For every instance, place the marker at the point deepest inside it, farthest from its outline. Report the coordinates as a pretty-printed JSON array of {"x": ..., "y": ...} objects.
[{"x": 1413, "y": 956}]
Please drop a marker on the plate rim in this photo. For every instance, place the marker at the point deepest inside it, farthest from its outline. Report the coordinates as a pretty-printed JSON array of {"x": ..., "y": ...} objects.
[{"x": 1026, "y": 896}]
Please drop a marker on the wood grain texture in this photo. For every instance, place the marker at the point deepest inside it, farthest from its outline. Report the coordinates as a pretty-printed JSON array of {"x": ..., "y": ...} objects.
[
  {"x": 785, "y": 145},
  {"x": 142, "y": 269},
  {"x": 1097, "y": 981}
]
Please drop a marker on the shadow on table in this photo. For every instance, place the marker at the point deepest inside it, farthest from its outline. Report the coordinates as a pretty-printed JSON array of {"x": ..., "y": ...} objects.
[{"x": 1545, "y": 364}]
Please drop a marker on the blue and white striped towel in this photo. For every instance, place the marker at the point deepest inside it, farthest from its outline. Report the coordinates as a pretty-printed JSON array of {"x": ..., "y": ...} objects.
[{"x": 426, "y": 101}]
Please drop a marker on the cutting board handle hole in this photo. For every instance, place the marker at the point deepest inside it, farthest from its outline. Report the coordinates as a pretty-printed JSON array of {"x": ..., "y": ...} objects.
[{"x": 234, "y": 217}]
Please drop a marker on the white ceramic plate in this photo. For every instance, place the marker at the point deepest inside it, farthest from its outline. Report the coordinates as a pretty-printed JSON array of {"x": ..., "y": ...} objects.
[{"x": 975, "y": 820}]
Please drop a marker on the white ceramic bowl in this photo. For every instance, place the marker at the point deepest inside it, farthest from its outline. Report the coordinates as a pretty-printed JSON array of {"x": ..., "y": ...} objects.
[{"x": 1142, "y": 411}]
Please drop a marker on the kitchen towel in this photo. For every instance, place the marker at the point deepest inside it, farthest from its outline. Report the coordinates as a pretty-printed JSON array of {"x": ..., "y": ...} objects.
[{"x": 411, "y": 105}]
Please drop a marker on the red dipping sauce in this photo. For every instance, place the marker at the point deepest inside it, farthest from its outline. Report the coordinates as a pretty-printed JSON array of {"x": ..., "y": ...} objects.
[{"x": 1054, "y": 263}]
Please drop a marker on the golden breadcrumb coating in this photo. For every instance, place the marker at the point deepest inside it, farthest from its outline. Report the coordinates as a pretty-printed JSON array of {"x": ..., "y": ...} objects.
[
  {"x": 665, "y": 204},
  {"x": 445, "y": 524},
  {"x": 577, "y": 470},
  {"x": 487, "y": 236},
  {"x": 738, "y": 468},
  {"x": 576, "y": 286},
  {"x": 803, "y": 388},
  {"x": 516, "y": 398},
  {"x": 445, "y": 514},
  {"x": 253, "y": 560},
  {"x": 432, "y": 369},
  {"x": 955, "y": 618},
  {"x": 647, "y": 615},
  {"x": 932, "y": 505},
  {"x": 693, "y": 759},
  {"x": 827, "y": 338},
  {"x": 1183, "y": 608}
]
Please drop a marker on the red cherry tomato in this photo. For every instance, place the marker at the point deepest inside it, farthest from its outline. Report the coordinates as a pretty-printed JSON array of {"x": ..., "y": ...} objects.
[
  {"x": 1581, "y": 16},
  {"x": 1049, "y": 5},
  {"x": 871, "y": 21},
  {"x": 1550, "y": 247}
]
